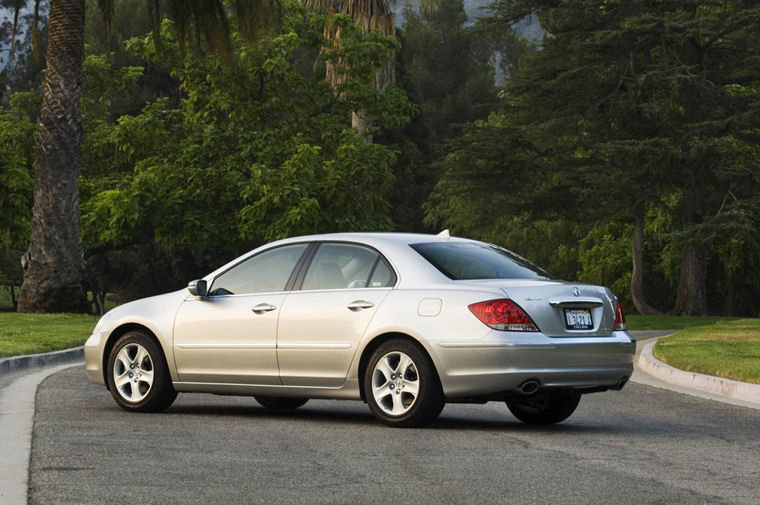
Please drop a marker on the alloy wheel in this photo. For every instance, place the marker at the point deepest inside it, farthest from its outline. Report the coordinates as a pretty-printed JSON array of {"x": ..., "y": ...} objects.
[
  {"x": 133, "y": 372},
  {"x": 395, "y": 383}
]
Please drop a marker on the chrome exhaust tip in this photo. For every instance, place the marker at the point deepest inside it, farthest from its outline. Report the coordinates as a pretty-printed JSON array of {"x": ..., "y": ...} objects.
[
  {"x": 622, "y": 382},
  {"x": 529, "y": 387}
]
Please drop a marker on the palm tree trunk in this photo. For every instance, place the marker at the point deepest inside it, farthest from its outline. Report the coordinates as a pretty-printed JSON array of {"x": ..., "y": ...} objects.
[
  {"x": 369, "y": 15},
  {"x": 54, "y": 263}
]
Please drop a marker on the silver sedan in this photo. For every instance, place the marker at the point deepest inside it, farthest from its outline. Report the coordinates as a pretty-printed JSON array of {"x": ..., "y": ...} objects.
[{"x": 404, "y": 322}]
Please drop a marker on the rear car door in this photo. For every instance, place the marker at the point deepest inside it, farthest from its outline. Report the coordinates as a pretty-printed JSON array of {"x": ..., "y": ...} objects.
[{"x": 322, "y": 323}]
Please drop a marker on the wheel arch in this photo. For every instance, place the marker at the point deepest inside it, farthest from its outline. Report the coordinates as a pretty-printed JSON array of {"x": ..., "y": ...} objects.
[
  {"x": 379, "y": 340},
  {"x": 117, "y": 333}
]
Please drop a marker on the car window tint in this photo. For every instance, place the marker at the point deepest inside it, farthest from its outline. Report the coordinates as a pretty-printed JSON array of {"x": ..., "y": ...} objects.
[
  {"x": 382, "y": 276},
  {"x": 264, "y": 272},
  {"x": 339, "y": 266},
  {"x": 468, "y": 260}
]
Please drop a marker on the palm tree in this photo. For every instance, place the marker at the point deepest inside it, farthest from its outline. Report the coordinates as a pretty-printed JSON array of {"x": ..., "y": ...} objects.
[
  {"x": 367, "y": 15},
  {"x": 54, "y": 265}
]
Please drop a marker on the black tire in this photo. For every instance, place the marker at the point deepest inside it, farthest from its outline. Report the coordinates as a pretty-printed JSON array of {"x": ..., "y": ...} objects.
[
  {"x": 277, "y": 403},
  {"x": 133, "y": 394},
  {"x": 414, "y": 409},
  {"x": 544, "y": 408}
]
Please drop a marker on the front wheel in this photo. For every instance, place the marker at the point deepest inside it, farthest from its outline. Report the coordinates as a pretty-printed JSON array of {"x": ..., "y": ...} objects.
[
  {"x": 401, "y": 385},
  {"x": 544, "y": 408},
  {"x": 277, "y": 403},
  {"x": 137, "y": 374}
]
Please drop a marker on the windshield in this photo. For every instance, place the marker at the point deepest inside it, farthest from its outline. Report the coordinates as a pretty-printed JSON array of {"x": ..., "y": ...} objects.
[{"x": 471, "y": 260}]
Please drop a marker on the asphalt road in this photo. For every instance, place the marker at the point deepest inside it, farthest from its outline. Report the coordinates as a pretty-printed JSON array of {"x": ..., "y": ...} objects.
[{"x": 639, "y": 446}]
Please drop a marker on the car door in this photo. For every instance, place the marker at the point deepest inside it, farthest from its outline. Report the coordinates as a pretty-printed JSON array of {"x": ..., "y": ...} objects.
[
  {"x": 322, "y": 323},
  {"x": 230, "y": 336}
]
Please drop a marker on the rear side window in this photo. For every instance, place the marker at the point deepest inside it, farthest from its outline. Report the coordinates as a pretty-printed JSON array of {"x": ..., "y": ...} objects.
[
  {"x": 347, "y": 266},
  {"x": 469, "y": 260}
]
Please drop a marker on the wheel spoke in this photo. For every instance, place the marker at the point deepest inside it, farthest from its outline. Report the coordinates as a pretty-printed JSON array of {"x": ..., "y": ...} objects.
[
  {"x": 124, "y": 358},
  {"x": 121, "y": 379},
  {"x": 381, "y": 392},
  {"x": 135, "y": 395},
  {"x": 403, "y": 364},
  {"x": 141, "y": 355},
  {"x": 147, "y": 377},
  {"x": 412, "y": 387},
  {"x": 398, "y": 405},
  {"x": 384, "y": 367}
]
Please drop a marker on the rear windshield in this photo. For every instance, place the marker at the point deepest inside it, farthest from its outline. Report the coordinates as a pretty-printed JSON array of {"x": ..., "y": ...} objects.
[{"x": 468, "y": 260}]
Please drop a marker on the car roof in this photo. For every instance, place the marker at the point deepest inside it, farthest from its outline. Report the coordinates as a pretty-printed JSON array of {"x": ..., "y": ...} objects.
[
  {"x": 411, "y": 268},
  {"x": 375, "y": 238}
]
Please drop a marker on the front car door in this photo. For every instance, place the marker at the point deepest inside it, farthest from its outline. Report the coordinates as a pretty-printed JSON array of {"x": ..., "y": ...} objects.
[
  {"x": 322, "y": 323},
  {"x": 230, "y": 336}
]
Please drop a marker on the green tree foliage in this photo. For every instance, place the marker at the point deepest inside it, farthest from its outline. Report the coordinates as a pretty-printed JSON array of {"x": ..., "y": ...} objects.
[
  {"x": 259, "y": 152},
  {"x": 445, "y": 67},
  {"x": 16, "y": 184},
  {"x": 627, "y": 103},
  {"x": 449, "y": 64}
]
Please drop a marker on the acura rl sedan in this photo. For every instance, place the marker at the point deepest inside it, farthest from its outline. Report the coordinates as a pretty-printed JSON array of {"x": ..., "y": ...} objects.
[{"x": 403, "y": 322}]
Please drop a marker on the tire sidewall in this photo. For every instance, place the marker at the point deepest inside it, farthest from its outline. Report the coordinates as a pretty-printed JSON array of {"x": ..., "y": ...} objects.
[
  {"x": 161, "y": 393},
  {"x": 429, "y": 401}
]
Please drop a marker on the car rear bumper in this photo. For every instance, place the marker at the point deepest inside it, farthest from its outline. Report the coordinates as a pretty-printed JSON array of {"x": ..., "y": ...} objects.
[{"x": 504, "y": 362}]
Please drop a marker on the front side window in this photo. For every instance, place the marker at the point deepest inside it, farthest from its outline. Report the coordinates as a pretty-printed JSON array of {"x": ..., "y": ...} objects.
[
  {"x": 345, "y": 266},
  {"x": 265, "y": 272},
  {"x": 469, "y": 260}
]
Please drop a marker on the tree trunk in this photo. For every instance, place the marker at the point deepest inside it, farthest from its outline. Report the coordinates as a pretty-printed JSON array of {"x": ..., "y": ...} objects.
[
  {"x": 692, "y": 287},
  {"x": 359, "y": 123},
  {"x": 368, "y": 16},
  {"x": 54, "y": 263},
  {"x": 637, "y": 276}
]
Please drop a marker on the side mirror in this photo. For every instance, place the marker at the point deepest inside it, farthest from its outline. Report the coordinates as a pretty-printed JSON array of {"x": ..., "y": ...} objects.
[{"x": 198, "y": 288}]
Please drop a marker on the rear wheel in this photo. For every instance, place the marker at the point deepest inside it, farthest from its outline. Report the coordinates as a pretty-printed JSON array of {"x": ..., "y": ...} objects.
[
  {"x": 137, "y": 374},
  {"x": 544, "y": 408},
  {"x": 401, "y": 385},
  {"x": 276, "y": 403}
]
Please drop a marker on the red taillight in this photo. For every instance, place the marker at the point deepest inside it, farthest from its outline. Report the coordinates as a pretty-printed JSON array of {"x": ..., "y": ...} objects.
[
  {"x": 504, "y": 315},
  {"x": 619, "y": 318}
]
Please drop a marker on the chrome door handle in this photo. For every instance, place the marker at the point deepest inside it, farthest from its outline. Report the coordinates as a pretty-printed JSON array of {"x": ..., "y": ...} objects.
[
  {"x": 360, "y": 304},
  {"x": 263, "y": 307}
]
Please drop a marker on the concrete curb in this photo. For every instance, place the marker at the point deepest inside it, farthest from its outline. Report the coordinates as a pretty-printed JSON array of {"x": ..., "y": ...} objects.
[
  {"x": 728, "y": 388},
  {"x": 17, "y": 405},
  {"x": 14, "y": 363}
]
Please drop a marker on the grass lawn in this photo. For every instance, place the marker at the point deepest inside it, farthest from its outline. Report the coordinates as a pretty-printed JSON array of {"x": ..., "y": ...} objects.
[
  {"x": 35, "y": 333},
  {"x": 727, "y": 348},
  {"x": 640, "y": 323},
  {"x": 5, "y": 298}
]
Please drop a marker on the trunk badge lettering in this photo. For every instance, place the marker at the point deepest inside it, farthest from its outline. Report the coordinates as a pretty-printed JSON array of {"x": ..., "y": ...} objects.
[{"x": 576, "y": 292}]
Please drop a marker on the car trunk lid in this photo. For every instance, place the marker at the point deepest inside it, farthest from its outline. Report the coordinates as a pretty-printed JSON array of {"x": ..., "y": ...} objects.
[{"x": 561, "y": 309}]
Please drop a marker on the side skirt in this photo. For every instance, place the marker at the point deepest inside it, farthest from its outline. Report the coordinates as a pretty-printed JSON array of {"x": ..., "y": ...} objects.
[{"x": 348, "y": 391}]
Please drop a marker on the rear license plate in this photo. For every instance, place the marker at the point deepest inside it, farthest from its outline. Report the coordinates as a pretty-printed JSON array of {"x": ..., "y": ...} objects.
[{"x": 578, "y": 319}]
